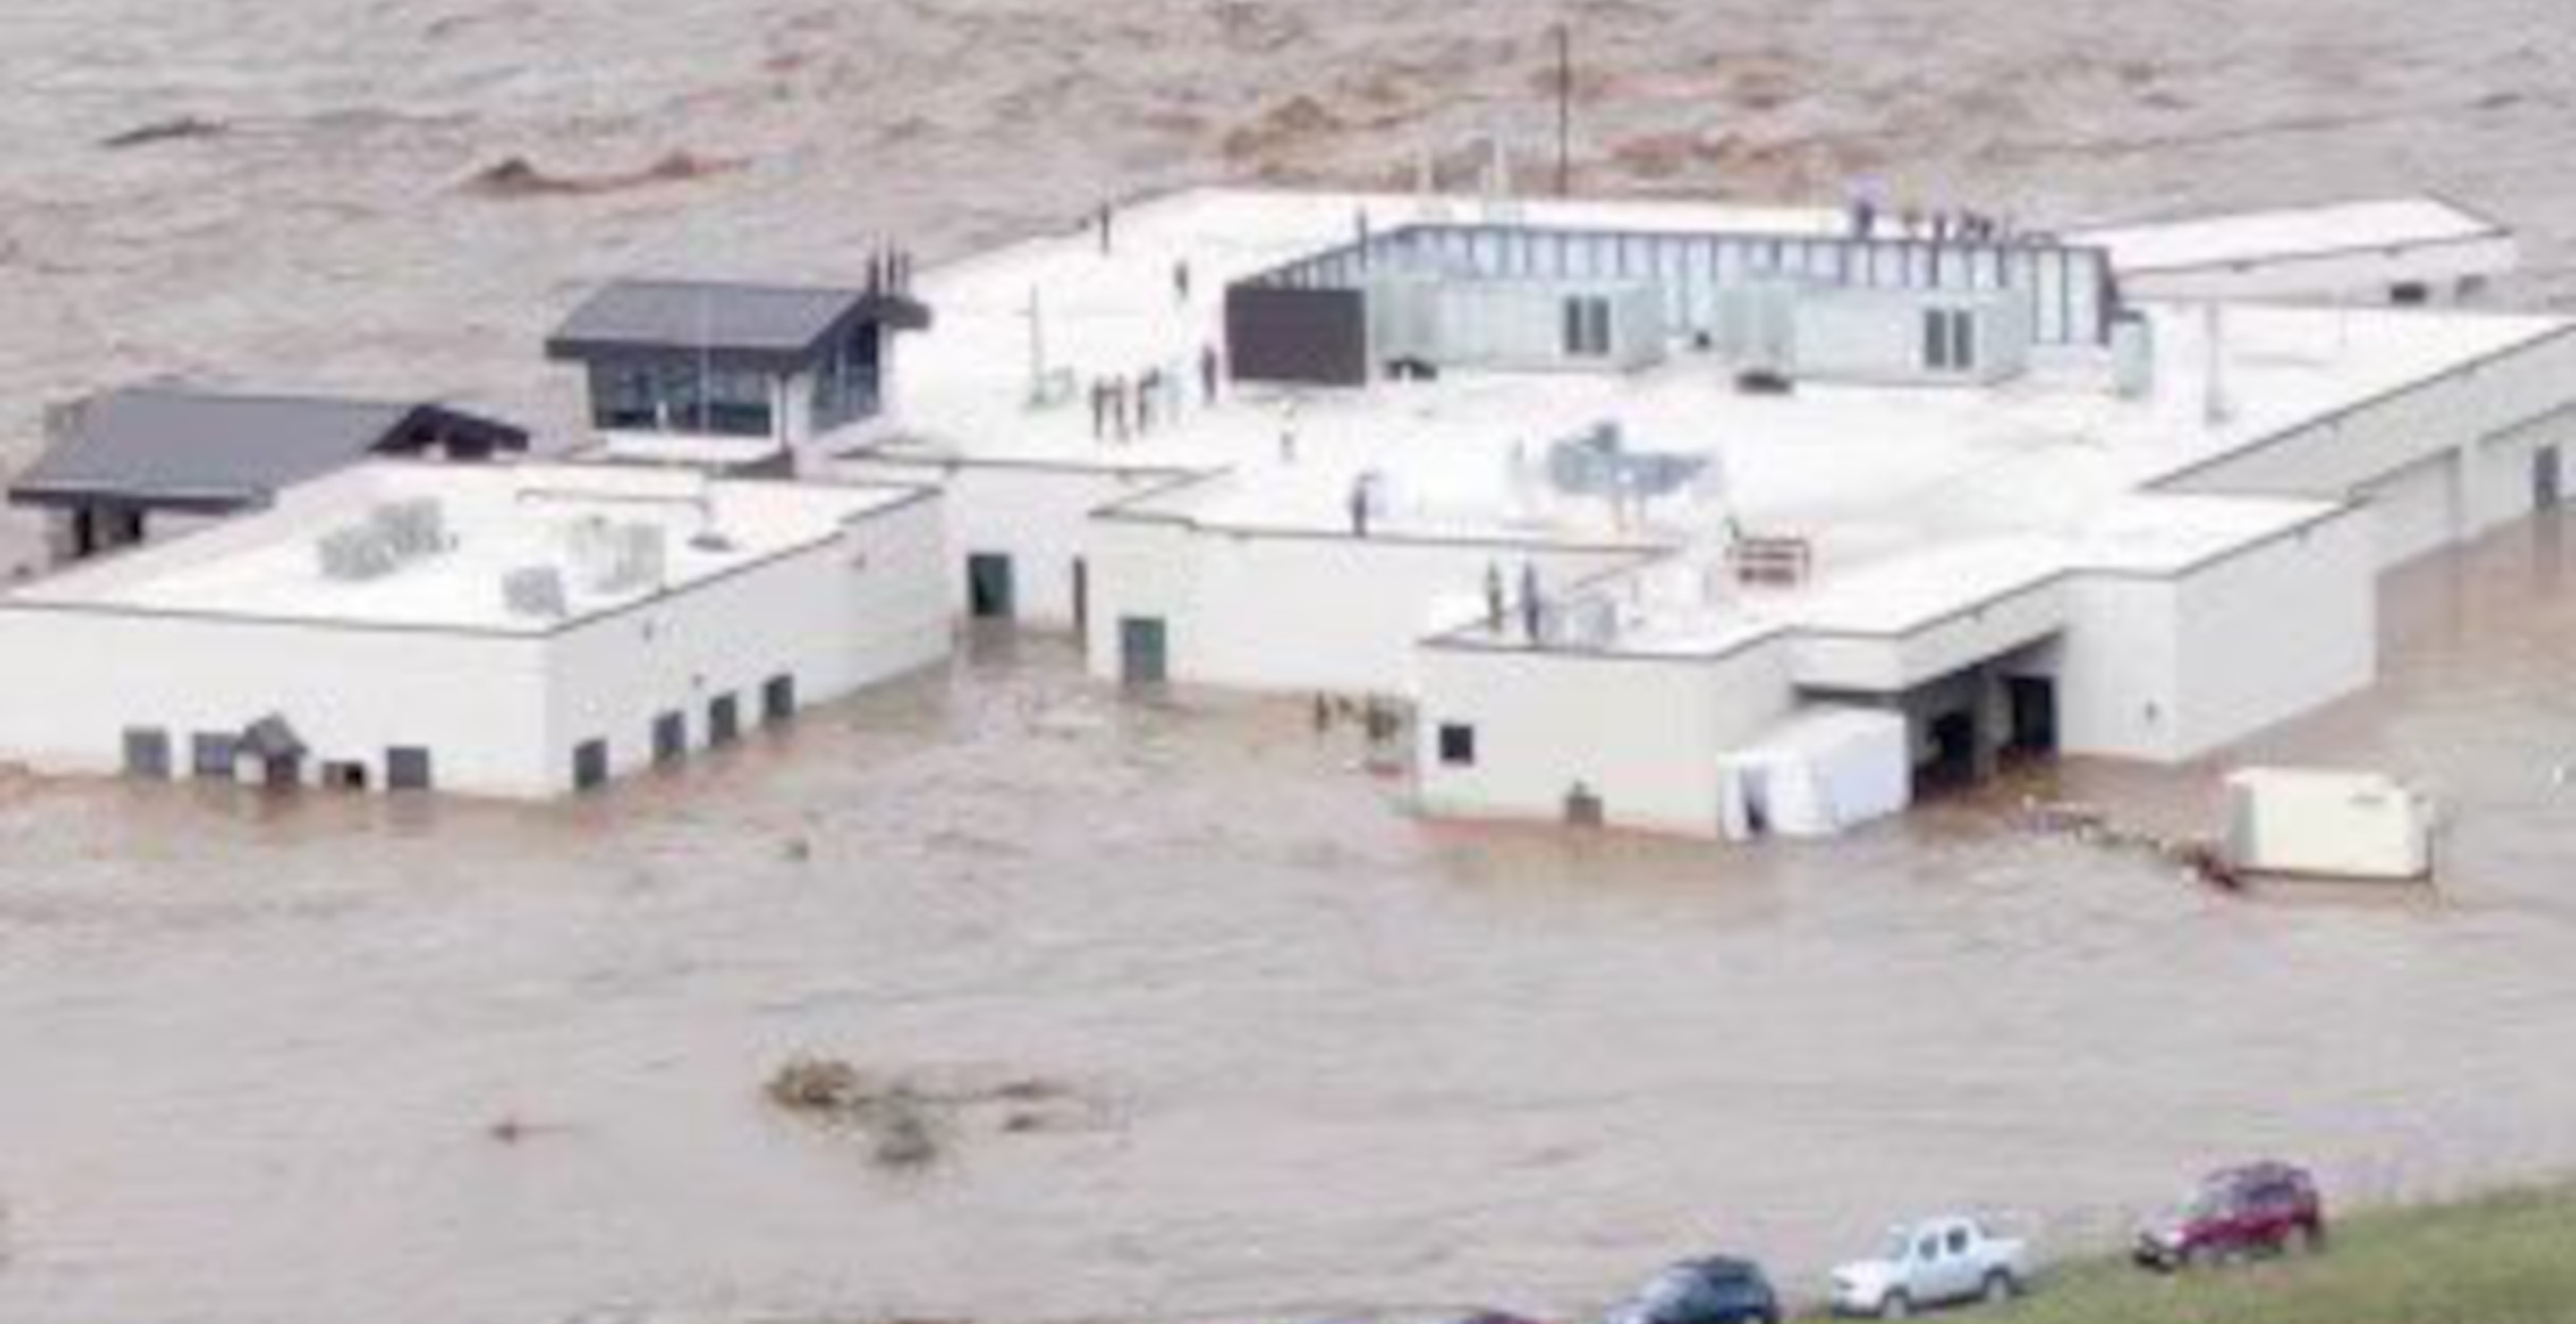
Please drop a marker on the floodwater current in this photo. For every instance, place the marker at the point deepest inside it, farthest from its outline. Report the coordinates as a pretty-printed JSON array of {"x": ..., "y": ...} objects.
[{"x": 331, "y": 1058}]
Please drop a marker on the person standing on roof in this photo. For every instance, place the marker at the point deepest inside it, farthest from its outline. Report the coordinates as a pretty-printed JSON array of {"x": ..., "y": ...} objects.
[
  {"x": 1531, "y": 615},
  {"x": 1496, "y": 609},
  {"x": 1181, "y": 281},
  {"x": 1211, "y": 373}
]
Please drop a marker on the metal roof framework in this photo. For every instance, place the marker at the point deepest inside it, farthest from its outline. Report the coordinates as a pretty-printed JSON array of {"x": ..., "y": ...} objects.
[
  {"x": 209, "y": 452},
  {"x": 767, "y": 327}
]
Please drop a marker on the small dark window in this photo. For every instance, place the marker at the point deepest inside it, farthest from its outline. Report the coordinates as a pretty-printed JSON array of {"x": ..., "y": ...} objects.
[
  {"x": 1958, "y": 1241},
  {"x": 147, "y": 753},
  {"x": 670, "y": 737},
  {"x": 211, "y": 756},
  {"x": 778, "y": 699},
  {"x": 724, "y": 720},
  {"x": 407, "y": 768},
  {"x": 1949, "y": 340},
  {"x": 590, "y": 765},
  {"x": 1587, "y": 327},
  {"x": 1457, "y": 745}
]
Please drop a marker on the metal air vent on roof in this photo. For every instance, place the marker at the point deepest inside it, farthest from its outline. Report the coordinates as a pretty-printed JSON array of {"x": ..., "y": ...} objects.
[{"x": 535, "y": 591}]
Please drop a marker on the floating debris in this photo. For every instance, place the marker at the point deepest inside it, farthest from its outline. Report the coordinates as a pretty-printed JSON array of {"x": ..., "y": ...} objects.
[
  {"x": 180, "y": 129},
  {"x": 518, "y": 177},
  {"x": 908, "y": 1119}
]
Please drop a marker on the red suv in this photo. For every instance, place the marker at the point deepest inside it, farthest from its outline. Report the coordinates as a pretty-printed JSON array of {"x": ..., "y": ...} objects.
[{"x": 2258, "y": 1209}]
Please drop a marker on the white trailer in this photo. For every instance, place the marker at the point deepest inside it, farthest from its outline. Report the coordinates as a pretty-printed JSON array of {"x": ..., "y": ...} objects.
[{"x": 2325, "y": 824}]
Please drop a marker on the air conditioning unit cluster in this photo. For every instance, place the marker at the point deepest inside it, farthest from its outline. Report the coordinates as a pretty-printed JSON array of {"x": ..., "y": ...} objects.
[
  {"x": 535, "y": 591},
  {"x": 610, "y": 558},
  {"x": 391, "y": 536}
]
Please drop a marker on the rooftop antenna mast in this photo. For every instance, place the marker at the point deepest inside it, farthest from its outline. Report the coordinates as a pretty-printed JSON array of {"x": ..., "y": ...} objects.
[
  {"x": 2216, "y": 408},
  {"x": 1564, "y": 110},
  {"x": 1036, "y": 313}
]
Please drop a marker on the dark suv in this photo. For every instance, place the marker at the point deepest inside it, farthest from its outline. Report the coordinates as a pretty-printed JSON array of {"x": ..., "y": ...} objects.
[
  {"x": 1716, "y": 1290},
  {"x": 2258, "y": 1209}
]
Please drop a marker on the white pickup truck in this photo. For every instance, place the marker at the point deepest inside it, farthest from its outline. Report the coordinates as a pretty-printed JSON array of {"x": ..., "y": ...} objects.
[{"x": 1936, "y": 1262}]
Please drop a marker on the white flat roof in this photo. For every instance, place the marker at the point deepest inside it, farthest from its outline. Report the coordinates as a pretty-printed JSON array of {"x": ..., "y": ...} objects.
[
  {"x": 499, "y": 518},
  {"x": 1913, "y": 499},
  {"x": 2380, "y": 224}
]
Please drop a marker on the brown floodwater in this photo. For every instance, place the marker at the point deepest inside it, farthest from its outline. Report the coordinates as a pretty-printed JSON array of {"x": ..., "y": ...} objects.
[
  {"x": 1323, "y": 1058},
  {"x": 328, "y": 1060}
]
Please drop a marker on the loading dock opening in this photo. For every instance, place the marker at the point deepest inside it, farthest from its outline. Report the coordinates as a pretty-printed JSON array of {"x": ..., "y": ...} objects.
[
  {"x": 670, "y": 738},
  {"x": 2032, "y": 705},
  {"x": 990, "y": 592},
  {"x": 1143, "y": 651},
  {"x": 147, "y": 754},
  {"x": 407, "y": 768},
  {"x": 590, "y": 765},
  {"x": 1949, "y": 761}
]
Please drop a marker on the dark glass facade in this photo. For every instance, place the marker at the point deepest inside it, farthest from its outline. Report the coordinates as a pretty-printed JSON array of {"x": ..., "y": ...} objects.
[
  {"x": 681, "y": 393},
  {"x": 846, "y": 381}
]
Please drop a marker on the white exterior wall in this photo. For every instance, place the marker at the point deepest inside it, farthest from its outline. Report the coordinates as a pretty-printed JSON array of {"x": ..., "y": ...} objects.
[
  {"x": 1877, "y": 336},
  {"x": 865, "y": 608},
  {"x": 2419, "y": 509},
  {"x": 1039, "y": 516},
  {"x": 1265, "y": 611},
  {"x": 1645, "y": 734},
  {"x": 2362, "y": 274},
  {"x": 2118, "y": 669},
  {"x": 2482, "y": 423},
  {"x": 1509, "y": 325},
  {"x": 500, "y": 712},
  {"x": 78, "y": 678},
  {"x": 2281, "y": 630},
  {"x": 2497, "y": 486},
  {"x": 1888, "y": 664},
  {"x": 2170, "y": 669}
]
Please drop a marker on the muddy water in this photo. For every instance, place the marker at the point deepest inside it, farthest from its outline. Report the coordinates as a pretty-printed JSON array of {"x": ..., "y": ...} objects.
[
  {"x": 1322, "y": 1057},
  {"x": 253, "y": 1056}
]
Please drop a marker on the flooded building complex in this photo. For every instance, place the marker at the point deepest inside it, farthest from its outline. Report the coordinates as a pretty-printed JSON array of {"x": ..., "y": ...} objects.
[
  {"x": 515, "y": 630},
  {"x": 1704, "y": 519},
  {"x": 1713, "y": 519}
]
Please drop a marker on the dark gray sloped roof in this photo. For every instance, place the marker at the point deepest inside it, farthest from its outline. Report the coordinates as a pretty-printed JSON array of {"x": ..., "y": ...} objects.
[
  {"x": 776, "y": 326},
  {"x": 178, "y": 448}
]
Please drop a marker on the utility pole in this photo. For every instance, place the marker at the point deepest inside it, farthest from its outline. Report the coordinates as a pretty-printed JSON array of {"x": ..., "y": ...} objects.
[{"x": 1564, "y": 110}]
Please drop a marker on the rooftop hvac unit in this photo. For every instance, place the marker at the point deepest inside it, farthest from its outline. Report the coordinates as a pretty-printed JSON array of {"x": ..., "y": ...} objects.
[
  {"x": 415, "y": 528},
  {"x": 356, "y": 554},
  {"x": 1598, "y": 463},
  {"x": 613, "y": 558},
  {"x": 390, "y": 536},
  {"x": 1590, "y": 622},
  {"x": 535, "y": 591}
]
